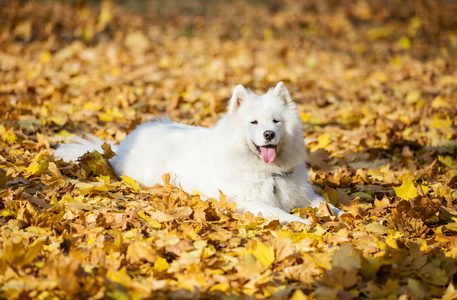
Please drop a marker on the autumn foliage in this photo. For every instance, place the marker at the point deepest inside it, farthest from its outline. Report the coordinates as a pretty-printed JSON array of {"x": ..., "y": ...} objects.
[{"x": 376, "y": 87}]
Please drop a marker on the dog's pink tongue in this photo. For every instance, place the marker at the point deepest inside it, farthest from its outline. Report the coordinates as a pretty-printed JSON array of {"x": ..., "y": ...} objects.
[{"x": 268, "y": 154}]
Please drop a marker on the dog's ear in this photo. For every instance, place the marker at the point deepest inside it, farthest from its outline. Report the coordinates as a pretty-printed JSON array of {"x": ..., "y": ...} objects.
[
  {"x": 282, "y": 93},
  {"x": 239, "y": 95}
]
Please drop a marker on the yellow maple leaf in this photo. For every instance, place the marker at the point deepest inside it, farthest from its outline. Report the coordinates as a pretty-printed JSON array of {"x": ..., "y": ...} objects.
[
  {"x": 391, "y": 242},
  {"x": 413, "y": 96},
  {"x": 63, "y": 134},
  {"x": 92, "y": 106},
  {"x": 151, "y": 221},
  {"x": 283, "y": 234},
  {"x": 120, "y": 276},
  {"x": 45, "y": 56},
  {"x": 267, "y": 33},
  {"x": 110, "y": 114},
  {"x": 59, "y": 119},
  {"x": 404, "y": 43},
  {"x": 131, "y": 183},
  {"x": 36, "y": 168},
  {"x": 106, "y": 14},
  {"x": 161, "y": 264},
  {"x": 104, "y": 179},
  {"x": 439, "y": 102},
  {"x": 441, "y": 121},
  {"x": 298, "y": 295},
  {"x": 105, "y": 117},
  {"x": 221, "y": 287},
  {"x": 305, "y": 117},
  {"x": 407, "y": 190},
  {"x": 264, "y": 254},
  {"x": 322, "y": 141},
  {"x": 8, "y": 135}
]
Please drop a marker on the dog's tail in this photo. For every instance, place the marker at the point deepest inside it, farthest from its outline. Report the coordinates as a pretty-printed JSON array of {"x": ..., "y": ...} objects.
[{"x": 79, "y": 147}]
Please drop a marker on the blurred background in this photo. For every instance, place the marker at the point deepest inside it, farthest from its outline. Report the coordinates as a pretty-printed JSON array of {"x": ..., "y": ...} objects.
[{"x": 106, "y": 66}]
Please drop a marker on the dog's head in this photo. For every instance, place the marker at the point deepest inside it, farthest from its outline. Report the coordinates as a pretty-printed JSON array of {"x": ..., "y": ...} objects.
[{"x": 266, "y": 120}]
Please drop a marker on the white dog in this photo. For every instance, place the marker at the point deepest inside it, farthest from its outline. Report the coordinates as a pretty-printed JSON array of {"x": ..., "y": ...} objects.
[{"x": 255, "y": 155}]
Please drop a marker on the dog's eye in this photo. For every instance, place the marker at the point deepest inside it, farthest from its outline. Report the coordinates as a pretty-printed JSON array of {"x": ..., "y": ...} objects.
[
  {"x": 275, "y": 121},
  {"x": 254, "y": 122}
]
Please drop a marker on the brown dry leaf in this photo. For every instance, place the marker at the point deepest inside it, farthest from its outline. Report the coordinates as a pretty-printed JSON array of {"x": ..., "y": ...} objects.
[
  {"x": 382, "y": 203},
  {"x": 139, "y": 251},
  {"x": 180, "y": 213},
  {"x": 55, "y": 180},
  {"x": 179, "y": 247},
  {"x": 283, "y": 249},
  {"x": 347, "y": 259}
]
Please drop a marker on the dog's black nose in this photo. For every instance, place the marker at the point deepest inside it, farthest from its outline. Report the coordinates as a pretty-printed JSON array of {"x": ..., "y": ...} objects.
[{"x": 269, "y": 135}]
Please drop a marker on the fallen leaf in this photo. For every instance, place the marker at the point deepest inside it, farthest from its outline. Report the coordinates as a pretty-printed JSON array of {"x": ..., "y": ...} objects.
[{"x": 407, "y": 190}]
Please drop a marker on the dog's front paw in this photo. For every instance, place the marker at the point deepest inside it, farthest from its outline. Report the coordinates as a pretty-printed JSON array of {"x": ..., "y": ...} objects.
[
  {"x": 336, "y": 211},
  {"x": 291, "y": 218}
]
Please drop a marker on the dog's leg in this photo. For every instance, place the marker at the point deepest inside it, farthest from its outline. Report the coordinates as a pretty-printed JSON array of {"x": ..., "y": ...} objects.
[{"x": 267, "y": 211}]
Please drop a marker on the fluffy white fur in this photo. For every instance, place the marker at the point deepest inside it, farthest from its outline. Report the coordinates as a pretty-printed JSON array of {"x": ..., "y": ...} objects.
[{"x": 234, "y": 156}]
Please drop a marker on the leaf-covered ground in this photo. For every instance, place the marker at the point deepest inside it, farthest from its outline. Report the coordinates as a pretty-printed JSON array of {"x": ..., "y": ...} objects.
[{"x": 375, "y": 83}]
